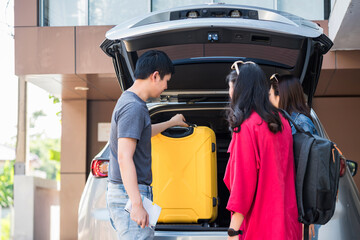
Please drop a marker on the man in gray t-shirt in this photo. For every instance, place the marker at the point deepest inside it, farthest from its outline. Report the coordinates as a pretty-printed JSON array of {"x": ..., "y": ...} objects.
[{"x": 130, "y": 145}]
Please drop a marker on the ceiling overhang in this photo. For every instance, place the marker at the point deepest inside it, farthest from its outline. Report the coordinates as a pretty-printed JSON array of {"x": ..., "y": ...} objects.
[{"x": 344, "y": 27}]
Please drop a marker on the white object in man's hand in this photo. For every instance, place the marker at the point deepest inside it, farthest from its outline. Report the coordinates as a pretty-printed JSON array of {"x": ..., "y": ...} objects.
[{"x": 152, "y": 209}]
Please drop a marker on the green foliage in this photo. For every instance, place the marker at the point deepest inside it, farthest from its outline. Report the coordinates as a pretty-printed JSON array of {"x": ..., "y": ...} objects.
[
  {"x": 7, "y": 184},
  {"x": 35, "y": 116},
  {"x": 48, "y": 151},
  {"x": 5, "y": 228},
  {"x": 55, "y": 101}
]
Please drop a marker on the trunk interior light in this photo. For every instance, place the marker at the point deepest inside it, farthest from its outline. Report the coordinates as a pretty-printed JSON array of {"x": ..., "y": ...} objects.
[
  {"x": 99, "y": 167},
  {"x": 235, "y": 14},
  {"x": 192, "y": 14}
]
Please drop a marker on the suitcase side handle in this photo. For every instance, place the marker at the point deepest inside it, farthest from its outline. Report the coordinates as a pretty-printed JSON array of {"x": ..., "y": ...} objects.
[{"x": 178, "y": 132}]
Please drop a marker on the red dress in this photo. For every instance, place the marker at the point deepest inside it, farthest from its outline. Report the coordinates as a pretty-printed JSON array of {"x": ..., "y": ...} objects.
[{"x": 260, "y": 176}]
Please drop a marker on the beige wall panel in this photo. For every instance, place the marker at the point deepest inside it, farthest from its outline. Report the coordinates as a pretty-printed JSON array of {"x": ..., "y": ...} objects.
[
  {"x": 89, "y": 57},
  {"x": 340, "y": 117},
  {"x": 98, "y": 111},
  {"x": 325, "y": 78},
  {"x": 73, "y": 87},
  {"x": 73, "y": 139},
  {"x": 329, "y": 60},
  {"x": 26, "y": 13},
  {"x": 44, "y": 50},
  {"x": 344, "y": 82},
  {"x": 347, "y": 59},
  {"x": 72, "y": 186},
  {"x": 106, "y": 84}
]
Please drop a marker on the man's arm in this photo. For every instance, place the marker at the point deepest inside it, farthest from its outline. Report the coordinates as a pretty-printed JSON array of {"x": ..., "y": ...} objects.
[
  {"x": 126, "y": 149},
  {"x": 177, "y": 120}
]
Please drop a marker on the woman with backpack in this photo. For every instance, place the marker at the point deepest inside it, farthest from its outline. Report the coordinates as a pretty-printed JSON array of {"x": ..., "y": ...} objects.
[
  {"x": 286, "y": 93},
  {"x": 260, "y": 173}
]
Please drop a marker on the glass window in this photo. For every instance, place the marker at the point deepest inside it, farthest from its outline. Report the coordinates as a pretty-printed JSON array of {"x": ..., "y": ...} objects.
[
  {"x": 308, "y": 9},
  {"x": 157, "y": 5},
  {"x": 313, "y": 10},
  {"x": 63, "y": 13},
  {"x": 113, "y": 12}
]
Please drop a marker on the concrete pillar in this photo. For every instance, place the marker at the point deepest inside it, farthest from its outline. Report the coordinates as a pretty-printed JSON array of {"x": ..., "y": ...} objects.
[
  {"x": 73, "y": 164},
  {"x": 33, "y": 202},
  {"x": 21, "y": 143}
]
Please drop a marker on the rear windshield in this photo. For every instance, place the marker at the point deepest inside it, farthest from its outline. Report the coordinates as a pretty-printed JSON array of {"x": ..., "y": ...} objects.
[
  {"x": 205, "y": 66},
  {"x": 275, "y": 54}
]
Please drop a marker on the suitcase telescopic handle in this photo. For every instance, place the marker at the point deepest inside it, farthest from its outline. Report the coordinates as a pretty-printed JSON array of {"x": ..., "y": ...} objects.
[{"x": 178, "y": 132}]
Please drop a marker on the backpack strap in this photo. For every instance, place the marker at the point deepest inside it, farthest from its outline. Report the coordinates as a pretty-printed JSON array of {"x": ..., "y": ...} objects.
[
  {"x": 306, "y": 232},
  {"x": 300, "y": 174},
  {"x": 302, "y": 163},
  {"x": 288, "y": 117}
]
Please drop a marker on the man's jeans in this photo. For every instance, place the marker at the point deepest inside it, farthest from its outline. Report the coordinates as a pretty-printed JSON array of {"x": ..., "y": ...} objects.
[{"x": 126, "y": 229}]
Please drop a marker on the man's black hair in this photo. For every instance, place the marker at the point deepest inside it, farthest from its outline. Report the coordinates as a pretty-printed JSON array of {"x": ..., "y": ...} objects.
[{"x": 151, "y": 61}]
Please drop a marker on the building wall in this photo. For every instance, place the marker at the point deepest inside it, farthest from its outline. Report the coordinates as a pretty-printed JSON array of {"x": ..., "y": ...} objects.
[{"x": 340, "y": 118}]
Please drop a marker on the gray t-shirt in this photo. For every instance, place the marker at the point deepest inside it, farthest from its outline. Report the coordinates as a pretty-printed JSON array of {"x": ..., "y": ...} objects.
[{"x": 130, "y": 119}]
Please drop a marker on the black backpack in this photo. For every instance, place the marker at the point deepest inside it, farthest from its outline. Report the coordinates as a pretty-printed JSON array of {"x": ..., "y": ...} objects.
[{"x": 317, "y": 165}]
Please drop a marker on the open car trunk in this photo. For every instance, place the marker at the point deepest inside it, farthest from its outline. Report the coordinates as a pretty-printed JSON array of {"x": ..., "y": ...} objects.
[
  {"x": 213, "y": 116},
  {"x": 214, "y": 40}
]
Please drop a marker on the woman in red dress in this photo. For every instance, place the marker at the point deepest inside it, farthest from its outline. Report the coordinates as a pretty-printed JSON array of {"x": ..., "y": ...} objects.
[{"x": 260, "y": 173}]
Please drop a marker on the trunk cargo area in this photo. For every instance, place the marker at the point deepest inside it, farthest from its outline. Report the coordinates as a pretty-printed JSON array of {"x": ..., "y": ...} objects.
[{"x": 212, "y": 116}]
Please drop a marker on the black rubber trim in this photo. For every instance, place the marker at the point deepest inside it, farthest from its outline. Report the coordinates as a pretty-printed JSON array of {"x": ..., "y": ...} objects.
[
  {"x": 200, "y": 60},
  {"x": 189, "y": 227},
  {"x": 178, "y": 132}
]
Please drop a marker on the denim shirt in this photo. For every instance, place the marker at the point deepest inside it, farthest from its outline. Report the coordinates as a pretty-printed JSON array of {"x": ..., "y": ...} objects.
[{"x": 304, "y": 122}]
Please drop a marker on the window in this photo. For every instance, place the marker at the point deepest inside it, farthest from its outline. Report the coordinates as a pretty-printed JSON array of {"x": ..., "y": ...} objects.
[
  {"x": 63, "y": 13},
  {"x": 113, "y": 12}
]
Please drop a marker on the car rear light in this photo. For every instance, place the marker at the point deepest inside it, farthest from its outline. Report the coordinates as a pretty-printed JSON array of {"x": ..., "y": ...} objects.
[
  {"x": 342, "y": 166},
  {"x": 99, "y": 167}
]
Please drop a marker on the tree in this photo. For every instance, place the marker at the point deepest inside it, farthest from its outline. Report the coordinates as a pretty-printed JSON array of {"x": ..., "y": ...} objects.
[{"x": 7, "y": 184}]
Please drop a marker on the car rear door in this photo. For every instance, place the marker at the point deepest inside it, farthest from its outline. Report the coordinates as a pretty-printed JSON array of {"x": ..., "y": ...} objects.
[{"x": 204, "y": 40}]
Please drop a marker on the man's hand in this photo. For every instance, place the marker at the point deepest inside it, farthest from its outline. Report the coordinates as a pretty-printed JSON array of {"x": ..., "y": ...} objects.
[
  {"x": 178, "y": 120},
  {"x": 139, "y": 215}
]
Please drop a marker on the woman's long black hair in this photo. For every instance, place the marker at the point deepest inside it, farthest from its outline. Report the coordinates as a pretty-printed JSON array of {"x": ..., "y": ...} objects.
[{"x": 251, "y": 93}]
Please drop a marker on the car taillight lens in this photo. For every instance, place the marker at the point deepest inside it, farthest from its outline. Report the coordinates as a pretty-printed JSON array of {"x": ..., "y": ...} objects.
[
  {"x": 99, "y": 167},
  {"x": 342, "y": 166}
]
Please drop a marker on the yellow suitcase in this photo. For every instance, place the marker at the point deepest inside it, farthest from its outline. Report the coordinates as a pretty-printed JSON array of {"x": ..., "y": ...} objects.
[{"x": 185, "y": 175}]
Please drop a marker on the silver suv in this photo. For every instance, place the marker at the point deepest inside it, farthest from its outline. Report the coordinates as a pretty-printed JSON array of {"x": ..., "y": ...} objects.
[{"x": 203, "y": 41}]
